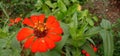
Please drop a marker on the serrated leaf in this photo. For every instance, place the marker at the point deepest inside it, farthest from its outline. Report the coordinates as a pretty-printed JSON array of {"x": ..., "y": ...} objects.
[{"x": 62, "y": 6}]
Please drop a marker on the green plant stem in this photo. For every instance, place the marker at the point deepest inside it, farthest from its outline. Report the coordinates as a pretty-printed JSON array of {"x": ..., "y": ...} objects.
[{"x": 4, "y": 13}]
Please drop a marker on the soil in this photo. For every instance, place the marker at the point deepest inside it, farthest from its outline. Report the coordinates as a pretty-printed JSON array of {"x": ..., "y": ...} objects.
[{"x": 108, "y": 9}]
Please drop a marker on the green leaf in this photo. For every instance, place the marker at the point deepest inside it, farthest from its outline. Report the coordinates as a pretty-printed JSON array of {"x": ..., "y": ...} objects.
[
  {"x": 74, "y": 26},
  {"x": 49, "y": 4},
  {"x": 73, "y": 1},
  {"x": 107, "y": 42},
  {"x": 67, "y": 2},
  {"x": 3, "y": 34},
  {"x": 89, "y": 49},
  {"x": 105, "y": 24},
  {"x": 3, "y": 43},
  {"x": 72, "y": 9},
  {"x": 67, "y": 50},
  {"x": 15, "y": 45},
  {"x": 6, "y": 52},
  {"x": 95, "y": 19},
  {"x": 64, "y": 37},
  {"x": 93, "y": 31},
  {"x": 60, "y": 15},
  {"x": 91, "y": 41},
  {"x": 62, "y": 6},
  {"x": 90, "y": 21},
  {"x": 49, "y": 53},
  {"x": 39, "y": 4},
  {"x": 45, "y": 9}
]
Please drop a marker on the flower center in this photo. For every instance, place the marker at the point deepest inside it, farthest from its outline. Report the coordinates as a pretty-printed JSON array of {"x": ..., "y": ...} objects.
[{"x": 40, "y": 30}]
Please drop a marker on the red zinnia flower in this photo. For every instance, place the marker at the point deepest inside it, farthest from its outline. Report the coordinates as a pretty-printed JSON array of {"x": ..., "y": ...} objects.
[
  {"x": 14, "y": 21},
  {"x": 42, "y": 33}
]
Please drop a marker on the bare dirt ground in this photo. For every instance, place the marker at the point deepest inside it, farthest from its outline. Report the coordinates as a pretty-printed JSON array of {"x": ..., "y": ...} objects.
[{"x": 109, "y": 9}]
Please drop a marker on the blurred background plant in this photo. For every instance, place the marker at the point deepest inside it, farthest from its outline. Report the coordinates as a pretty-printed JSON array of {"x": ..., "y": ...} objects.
[{"x": 81, "y": 28}]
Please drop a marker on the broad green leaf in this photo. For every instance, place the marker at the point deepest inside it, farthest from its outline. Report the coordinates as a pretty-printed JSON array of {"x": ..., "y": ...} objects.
[
  {"x": 74, "y": 26},
  {"x": 62, "y": 6},
  {"x": 89, "y": 49},
  {"x": 74, "y": 22},
  {"x": 95, "y": 18},
  {"x": 90, "y": 21},
  {"x": 64, "y": 37},
  {"x": 105, "y": 24},
  {"x": 107, "y": 42}
]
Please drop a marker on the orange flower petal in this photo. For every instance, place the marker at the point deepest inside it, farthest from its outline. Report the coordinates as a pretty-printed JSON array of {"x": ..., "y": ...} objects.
[
  {"x": 41, "y": 18},
  {"x": 28, "y": 22},
  {"x": 54, "y": 37},
  {"x": 28, "y": 42},
  {"x": 34, "y": 19},
  {"x": 42, "y": 45},
  {"x": 24, "y": 33},
  {"x": 53, "y": 25},
  {"x": 34, "y": 47},
  {"x": 50, "y": 20},
  {"x": 57, "y": 30},
  {"x": 50, "y": 43},
  {"x": 17, "y": 20}
]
